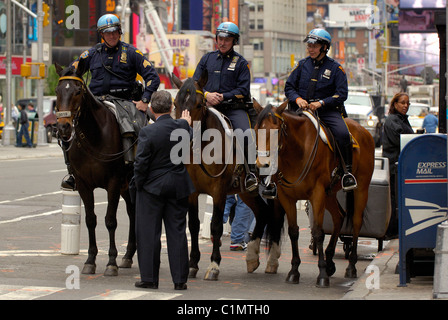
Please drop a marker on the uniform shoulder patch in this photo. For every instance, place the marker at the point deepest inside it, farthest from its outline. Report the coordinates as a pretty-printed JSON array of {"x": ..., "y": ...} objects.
[
  {"x": 84, "y": 55},
  {"x": 342, "y": 69}
]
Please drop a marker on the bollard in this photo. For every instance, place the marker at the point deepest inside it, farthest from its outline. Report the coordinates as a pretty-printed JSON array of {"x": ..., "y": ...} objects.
[
  {"x": 440, "y": 286},
  {"x": 71, "y": 222}
]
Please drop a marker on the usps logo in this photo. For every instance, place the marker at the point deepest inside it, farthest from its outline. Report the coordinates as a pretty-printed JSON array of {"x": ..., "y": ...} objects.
[{"x": 424, "y": 215}]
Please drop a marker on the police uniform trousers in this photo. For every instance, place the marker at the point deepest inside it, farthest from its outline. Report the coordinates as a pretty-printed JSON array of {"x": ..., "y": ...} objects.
[
  {"x": 334, "y": 121},
  {"x": 151, "y": 210}
]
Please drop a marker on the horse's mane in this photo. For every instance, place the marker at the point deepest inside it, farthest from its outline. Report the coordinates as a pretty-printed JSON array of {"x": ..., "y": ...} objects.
[
  {"x": 68, "y": 71},
  {"x": 267, "y": 111},
  {"x": 187, "y": 90}
]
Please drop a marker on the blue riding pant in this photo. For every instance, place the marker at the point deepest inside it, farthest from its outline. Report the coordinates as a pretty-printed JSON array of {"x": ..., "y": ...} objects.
[{"x": 334, "y": 121}]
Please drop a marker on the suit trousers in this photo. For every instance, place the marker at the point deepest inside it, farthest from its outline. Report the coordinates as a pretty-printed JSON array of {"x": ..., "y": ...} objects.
[{"x": 150, "y": 211}]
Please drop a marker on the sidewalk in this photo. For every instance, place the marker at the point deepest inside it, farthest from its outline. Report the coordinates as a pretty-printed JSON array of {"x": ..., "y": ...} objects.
[
  {"x": 11, "y": 152},
  {"x": 420, "y": 287}
]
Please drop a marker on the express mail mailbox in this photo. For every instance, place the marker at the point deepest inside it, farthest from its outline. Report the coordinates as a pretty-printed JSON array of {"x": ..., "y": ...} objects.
[{"x": 422, "y": 195}]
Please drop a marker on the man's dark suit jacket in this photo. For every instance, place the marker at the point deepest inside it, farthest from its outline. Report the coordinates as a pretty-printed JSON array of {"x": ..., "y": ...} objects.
[{"x": 153, "y": 169}]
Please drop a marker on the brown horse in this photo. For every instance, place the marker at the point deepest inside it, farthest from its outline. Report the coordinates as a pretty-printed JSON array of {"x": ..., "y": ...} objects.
[
  {"x": 217, "y": 178},
  {"x": 95, "y": 151},
  {"x": 304, "y": 172}
]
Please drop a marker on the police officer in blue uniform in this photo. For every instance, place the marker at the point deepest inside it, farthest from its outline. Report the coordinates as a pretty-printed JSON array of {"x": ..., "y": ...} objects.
[
  {"x": 228, "y": 88},
  {"x": 114, "y": 65},
  {"x": 319, "y": 83}
]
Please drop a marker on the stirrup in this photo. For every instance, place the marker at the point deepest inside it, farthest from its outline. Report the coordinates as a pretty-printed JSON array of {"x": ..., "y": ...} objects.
[
  {"x": 351, "y": 182},
  {"x": 69, "y": 183},
  {"x": 270, "y": 192},
  {"x": 251, "y": 182}
]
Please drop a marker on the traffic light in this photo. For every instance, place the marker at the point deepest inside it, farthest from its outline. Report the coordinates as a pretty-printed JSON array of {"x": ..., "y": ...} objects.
[
  {"x": 181, "y": 60},
  {"x": 176, "y": 59},
  {"x": 46, "y": 10}
]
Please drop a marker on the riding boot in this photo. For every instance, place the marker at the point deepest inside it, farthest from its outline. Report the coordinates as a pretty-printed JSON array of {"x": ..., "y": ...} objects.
[
  {"x": 129, "y": 150},
  {"x": 348, "y": 180},
  {"x": 69, "y": 182}
]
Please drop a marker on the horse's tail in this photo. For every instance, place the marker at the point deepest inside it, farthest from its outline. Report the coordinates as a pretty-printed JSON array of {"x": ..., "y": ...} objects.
[{"x": 350, "y": 205}]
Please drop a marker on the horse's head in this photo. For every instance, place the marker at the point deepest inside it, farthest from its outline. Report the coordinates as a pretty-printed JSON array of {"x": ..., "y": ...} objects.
[
  {"x": 190, "y": 96},
  {"x": 269, "y": 124},
  {"x": 69, "y": 94}
]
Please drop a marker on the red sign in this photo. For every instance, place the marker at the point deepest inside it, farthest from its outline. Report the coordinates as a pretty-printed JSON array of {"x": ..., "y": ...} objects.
[{"x": 16, "y": 61}]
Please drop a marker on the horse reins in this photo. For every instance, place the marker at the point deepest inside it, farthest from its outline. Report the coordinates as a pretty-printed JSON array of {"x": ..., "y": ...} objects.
[{"x": 307, "y": 167}]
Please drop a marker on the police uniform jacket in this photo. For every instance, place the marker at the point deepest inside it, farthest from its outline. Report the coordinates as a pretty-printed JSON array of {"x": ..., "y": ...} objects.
[
  {"x": 228, "y": 74},
  {"x": 331, "y": 86},
  {"x": 125, "y": 61}
]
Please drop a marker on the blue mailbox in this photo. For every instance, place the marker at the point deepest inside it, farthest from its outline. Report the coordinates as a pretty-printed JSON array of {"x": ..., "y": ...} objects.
[{"x": 422, "y": 195}]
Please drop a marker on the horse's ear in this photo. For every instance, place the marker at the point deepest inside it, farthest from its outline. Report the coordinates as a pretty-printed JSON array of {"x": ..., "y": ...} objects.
[
  {"x": 177, "y": 82},
  {"x": 282, "y": 107},
  {"x": 203, "y": 79},
  {"x": 59, "y": 68},
  {"x": 257, "y": 106}
]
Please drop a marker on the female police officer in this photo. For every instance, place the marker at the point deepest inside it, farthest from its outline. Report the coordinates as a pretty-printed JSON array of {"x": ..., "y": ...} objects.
[
  {"x": 114, "y": 65},
  {"x": 228, "y": 87},
  {"x": 320, "y": 83}
]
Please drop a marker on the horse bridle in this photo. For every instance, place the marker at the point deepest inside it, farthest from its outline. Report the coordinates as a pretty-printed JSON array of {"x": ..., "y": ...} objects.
[
  {"x": 68, "y": 114},
  {"x": 281, "y": 179}
]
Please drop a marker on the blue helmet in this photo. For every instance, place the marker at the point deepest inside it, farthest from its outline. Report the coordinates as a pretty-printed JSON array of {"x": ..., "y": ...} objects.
[
  {"x": 108, "y": 23},
  {"x": 228, "y": 29},
  {"x": 318, "y": 36}
]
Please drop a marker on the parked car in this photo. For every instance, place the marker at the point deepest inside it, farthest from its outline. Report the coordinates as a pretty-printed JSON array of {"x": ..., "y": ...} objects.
[
  {"x": 49, "y": 120},
  {"x": 360, "y": 107}
]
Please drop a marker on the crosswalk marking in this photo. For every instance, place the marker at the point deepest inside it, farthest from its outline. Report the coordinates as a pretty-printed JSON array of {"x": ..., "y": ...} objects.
[
  {"x": 26, "y": 292},
  {"x": 133, "y": 294}
]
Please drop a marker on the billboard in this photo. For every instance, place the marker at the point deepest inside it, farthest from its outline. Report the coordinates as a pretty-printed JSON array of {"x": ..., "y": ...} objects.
[
  {"x": 419, "y": 44},
  {"x": 413, "y": 4},
  {"x": 352, "y": 15}
]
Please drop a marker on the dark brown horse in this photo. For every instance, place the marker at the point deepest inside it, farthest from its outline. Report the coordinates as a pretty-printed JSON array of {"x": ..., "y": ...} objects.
[
  {"x": 304, "y": 172},
  {"x": 216, "y": 178},
  {"x": 95, "y": 151}
]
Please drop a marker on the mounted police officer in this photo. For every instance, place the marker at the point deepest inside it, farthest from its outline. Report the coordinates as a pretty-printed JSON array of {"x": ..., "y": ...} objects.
[
  {"x": 228, "y": 89},
  {"x": 319, "y": 83},
  {"x": 114, "y": 66}
]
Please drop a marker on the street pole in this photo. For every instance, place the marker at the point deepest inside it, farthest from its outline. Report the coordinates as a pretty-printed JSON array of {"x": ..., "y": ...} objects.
[
  {"x": 9, "y": 132},
  {"x": 42, "y": 136}
]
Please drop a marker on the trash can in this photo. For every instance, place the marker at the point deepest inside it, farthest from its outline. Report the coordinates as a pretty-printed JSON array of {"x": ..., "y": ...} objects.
[
  {"x": 422, "y": 203},
  {"x": 377, "y": 212}
]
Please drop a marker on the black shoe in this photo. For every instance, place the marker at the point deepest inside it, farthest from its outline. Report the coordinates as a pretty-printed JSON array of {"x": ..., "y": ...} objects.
[
  {"x": 251, "y": 182},
  {"x": 147, "y": 285},
  {"x": 69, "y": 183},
  {"x": 270, "y": 192},
  {"x": 180, "y": 286},
  {"x": 348, "y": 182}
]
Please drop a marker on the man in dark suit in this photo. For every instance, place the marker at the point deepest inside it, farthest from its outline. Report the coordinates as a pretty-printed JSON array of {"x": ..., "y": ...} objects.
[{"x": 163, "y": 186}]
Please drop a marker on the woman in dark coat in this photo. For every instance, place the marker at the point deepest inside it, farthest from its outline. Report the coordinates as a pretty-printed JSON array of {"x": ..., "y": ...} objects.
[{"x": 396, "y": 124}]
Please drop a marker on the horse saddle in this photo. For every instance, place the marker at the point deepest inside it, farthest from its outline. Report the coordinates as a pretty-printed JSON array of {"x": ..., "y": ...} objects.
[{"x": 325, "y": 133}]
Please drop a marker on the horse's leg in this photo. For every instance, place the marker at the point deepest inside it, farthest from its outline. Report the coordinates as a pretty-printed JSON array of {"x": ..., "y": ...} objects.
[
  {"x": 113, "y": 197},
  {"x": 317, "y": 201},
  {"x": 289, "y": 205},
  {"x": 275, "y": 225},
  {"x": 331, "y": 205},
  {"x": 89, "y": 204},
  {"x": 360, "y": 202},
  {"x": 216, "y": 229},
  {"x": 193, "y": 227},
  {"x": 126, "y": 262}
]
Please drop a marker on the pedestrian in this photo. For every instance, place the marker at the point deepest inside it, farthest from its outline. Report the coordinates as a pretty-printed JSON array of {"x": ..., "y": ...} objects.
[
  {"x": 228, "y": 90},
  {"x": 23, "y": 128},
  {"x": 162, "y": 190},
  {"x": 319, "y": 84},
  {"x": 241, "y": 223},
  {"x": 396, "y": 124},
  {"x": 114, "y": 66},
  {"x": 430, "y": 123},
  {"x": 14, "y": 114},
  {"x": 403, "y": 84}
]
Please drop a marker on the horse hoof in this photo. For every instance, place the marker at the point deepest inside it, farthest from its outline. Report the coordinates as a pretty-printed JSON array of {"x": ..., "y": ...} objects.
[
  {"x": 350, "y": 273},
  {"x": 89, "y": 269},
  {"x": 193, "y": 272},
  {"x": 126, "y": 263},
  {"x": 212, "y": 272},
  {"x": 293, "y": 278},
  {"x": 323, "y": 282},
  {"x": 111, "y": 271},
  {"x": 271, "y": 268},
  {"x": 252, "y": 265}
]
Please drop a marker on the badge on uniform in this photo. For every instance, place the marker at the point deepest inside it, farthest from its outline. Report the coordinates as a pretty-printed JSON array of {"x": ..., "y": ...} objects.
[
  {"x": 233, "y": 64},
  {"x": 124, "y": 55},
  {"x": 327, "y": 74}
]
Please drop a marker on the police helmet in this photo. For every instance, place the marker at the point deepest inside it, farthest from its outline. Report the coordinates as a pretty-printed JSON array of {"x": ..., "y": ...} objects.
[
  {"x": 228, "y": 29},
  {"x": 108, "y": 23},
  {"x": 318, "y": 36}
]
